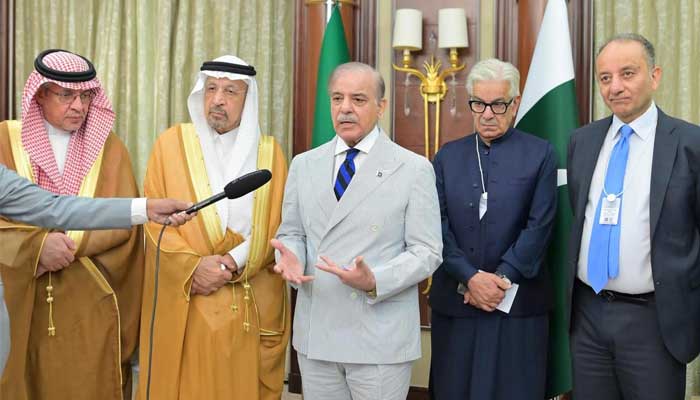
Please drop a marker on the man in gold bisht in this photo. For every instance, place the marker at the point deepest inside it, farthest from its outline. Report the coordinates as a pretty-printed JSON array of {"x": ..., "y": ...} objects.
[
  {"x": 222, "y": 317},
  {"x": 73, "y": 297}
]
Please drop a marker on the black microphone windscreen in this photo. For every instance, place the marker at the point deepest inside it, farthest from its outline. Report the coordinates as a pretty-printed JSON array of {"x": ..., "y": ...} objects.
[{"x": 247, "y": 183}]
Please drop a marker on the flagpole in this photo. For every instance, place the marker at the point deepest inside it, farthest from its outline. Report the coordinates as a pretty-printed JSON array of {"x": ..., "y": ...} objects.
[
  {"x": 329, "y": 10},
  {"x": 329, "y": 5}
]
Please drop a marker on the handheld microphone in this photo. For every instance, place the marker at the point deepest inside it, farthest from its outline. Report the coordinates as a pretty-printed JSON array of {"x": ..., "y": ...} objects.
[{"x": 236, "y": 188}]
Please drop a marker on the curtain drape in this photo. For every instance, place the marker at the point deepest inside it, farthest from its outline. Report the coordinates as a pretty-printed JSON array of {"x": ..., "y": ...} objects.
[
  {"x": 673, "y": 27},
  {"x": 147, "y": 54}
]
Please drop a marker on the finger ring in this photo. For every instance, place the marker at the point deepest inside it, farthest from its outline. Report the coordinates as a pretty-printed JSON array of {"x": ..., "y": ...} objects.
[{"x": 223, "y": 267}]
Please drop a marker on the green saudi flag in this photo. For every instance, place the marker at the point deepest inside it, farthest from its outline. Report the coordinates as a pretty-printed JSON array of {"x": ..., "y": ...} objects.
[
  {"x": 334, "y": 51},
  {"x": 548, "y": 110}
]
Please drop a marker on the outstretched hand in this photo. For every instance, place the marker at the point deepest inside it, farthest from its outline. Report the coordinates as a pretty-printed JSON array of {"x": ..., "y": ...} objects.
[
  {"x": 288, "y": 265},
  {"x": 359, "y": 275}
]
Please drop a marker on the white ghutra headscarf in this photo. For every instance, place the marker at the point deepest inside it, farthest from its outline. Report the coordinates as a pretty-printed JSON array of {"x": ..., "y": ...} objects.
[{"x": 235, "y": 214}]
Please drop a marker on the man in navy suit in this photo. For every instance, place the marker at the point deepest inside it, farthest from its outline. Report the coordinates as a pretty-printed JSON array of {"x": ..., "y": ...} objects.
[
  {"x": 497, "y": 192},
  {"x": 635, "y": 241}
]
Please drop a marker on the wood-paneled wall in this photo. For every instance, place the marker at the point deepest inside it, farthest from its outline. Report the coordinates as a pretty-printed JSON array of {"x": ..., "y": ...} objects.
[
  {"x": 5, "y": 79},
  {"x": 455, "y": 118}
]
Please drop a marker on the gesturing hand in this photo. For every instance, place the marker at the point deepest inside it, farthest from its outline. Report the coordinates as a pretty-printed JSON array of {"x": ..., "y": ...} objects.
[
  {"x": 209, "y": 276},
  {"x": 56, "y": 254},
  {"x": 288, "y": 265},
  {"x": 358, "y": 276}
]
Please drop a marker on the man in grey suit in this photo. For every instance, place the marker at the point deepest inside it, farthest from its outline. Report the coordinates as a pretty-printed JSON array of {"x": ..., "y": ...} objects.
[
  {"x": 26, "y": 202},
  {"x": 634, "y": 188},
  {"x": 360, "y": 229}
]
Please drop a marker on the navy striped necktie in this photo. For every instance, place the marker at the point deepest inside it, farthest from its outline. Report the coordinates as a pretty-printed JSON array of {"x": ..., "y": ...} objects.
[{"x": 345, "y": 173}]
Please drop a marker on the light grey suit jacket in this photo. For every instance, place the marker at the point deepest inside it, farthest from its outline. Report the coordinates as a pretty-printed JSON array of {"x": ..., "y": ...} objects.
[
  {"x": 23, "y": 201},
  {"x": 390, "y": 215}
]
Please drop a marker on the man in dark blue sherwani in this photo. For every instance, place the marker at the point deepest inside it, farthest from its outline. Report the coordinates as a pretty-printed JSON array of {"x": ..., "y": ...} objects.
[{"x": 497, "y": 191}]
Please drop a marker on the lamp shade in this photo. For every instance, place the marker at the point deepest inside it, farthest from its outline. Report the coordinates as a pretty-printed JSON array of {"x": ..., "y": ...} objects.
[
  {"x": 452, "y": 29},
  {"x": 408, "y": 29}
]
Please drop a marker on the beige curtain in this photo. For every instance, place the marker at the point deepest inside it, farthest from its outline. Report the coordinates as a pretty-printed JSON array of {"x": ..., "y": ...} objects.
[
  {"x": 147, "y": 54},
  {"x": 673, "y": 27}
]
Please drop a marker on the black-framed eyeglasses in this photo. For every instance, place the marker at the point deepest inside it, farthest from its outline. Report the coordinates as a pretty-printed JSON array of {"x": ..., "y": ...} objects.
[
  {"x": 497, "y": 107},
  {"x": 69, "y": 97}
]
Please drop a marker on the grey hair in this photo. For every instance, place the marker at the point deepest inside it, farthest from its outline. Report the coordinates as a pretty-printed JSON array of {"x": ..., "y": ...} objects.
[
  {"x": 355, "y": 66},
  {"x": 493, "y": 69},
  {"x": 649, "y": 51}
]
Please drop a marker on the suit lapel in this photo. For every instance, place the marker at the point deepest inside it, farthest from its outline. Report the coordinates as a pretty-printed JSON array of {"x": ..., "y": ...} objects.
[
  {"x": 592, "y": 144},
  {"x": 321, "y": 174},
  {"x": 380, "y": 163},
  {"x": 665, "y": 146}
]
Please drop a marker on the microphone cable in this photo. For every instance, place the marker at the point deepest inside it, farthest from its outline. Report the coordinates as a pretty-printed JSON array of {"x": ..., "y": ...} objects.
[{"x": 153, "y": 312}]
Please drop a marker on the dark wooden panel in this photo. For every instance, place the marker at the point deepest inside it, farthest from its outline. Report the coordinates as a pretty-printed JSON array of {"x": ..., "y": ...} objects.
[
  {"x": 418, "y": 393},
  {"x": 530, "y": 13},
  {"x": 581, "y": 25},
  {"x": 310, "y": 22},
  {"x": 507, "y": 31},
  {"x": 5, "y": 78}
]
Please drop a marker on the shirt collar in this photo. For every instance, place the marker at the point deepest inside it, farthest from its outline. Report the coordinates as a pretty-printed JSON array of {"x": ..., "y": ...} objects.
[
  {"x": 643, "y": 125},
  {"x": 225, "y": 139},
  {"x": 364, "y": 146},
  {"x": 499, "y": 139}
]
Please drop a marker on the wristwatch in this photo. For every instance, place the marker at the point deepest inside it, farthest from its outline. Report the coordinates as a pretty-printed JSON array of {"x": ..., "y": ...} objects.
[{"x": 503, "y": 276}]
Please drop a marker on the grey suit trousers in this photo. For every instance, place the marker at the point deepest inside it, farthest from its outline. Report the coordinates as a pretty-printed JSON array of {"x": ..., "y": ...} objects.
[
  {"x": 324, "y": 380},
  {"x": 618, "y": 352}
]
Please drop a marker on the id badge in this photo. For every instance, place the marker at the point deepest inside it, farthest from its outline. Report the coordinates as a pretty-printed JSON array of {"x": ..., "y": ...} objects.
[
  {"x": 609, "y": 210},
  {"x": 483, "y": 204}
]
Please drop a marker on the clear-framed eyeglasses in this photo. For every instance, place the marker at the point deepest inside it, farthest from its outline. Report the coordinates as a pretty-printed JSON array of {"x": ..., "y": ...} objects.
[
  {"x": 497, "y": 107},
  {"x": 67, "y": 97}
]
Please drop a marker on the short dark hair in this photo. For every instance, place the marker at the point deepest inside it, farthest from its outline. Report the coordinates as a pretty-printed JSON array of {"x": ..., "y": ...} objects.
[
  {"x": 360, "y": 67},
  {"x": 649, "y": 51}
]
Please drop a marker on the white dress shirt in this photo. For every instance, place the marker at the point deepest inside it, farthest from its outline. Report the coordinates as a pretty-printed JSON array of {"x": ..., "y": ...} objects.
[
  {"x": 59, "y": 140},
  {"x": 364, "y": 146},
  {"x": 223, "y": 143},
  {"x": 635, "y": 238}
]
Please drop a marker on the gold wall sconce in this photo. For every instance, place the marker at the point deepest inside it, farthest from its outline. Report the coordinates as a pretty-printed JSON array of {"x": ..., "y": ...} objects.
[{"x": 408, "y": 36}]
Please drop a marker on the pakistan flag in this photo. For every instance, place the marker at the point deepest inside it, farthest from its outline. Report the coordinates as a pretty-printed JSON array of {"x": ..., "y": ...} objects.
[{"x": 548, "y": 110}]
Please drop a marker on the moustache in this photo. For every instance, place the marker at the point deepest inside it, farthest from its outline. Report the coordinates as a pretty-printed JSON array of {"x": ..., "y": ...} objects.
[
  {"x": 346, "y": 118},
  {"x": 492, "y": 122},
  {"x": 218, "y": 109}
]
